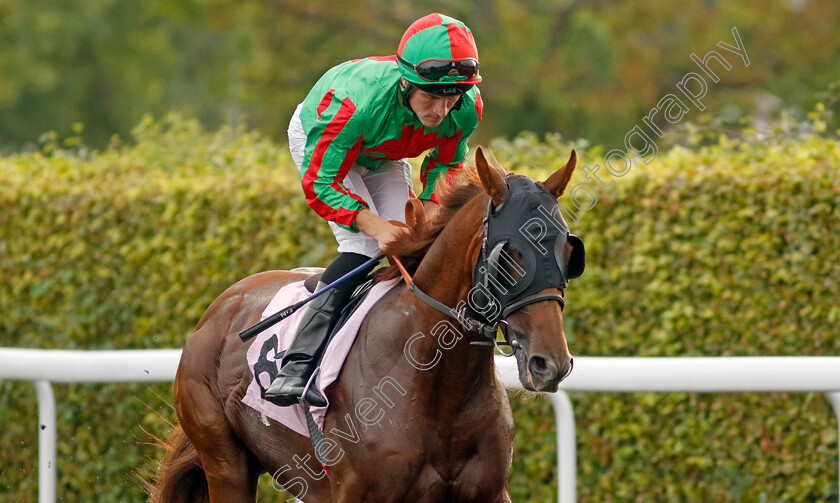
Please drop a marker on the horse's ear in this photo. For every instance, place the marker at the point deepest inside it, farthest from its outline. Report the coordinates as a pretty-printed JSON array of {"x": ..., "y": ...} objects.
[
  {"x": 492, "y": 180},
  {"x": 415, "y": 214},
  {"x": 557, "y": 182}
]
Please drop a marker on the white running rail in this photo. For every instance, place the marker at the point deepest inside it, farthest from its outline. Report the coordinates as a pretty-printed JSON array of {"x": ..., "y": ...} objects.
[{"x": 593, "y": 374}]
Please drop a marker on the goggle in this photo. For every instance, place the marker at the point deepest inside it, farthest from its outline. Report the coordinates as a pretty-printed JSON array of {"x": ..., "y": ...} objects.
[{"x": 444, "y": 70}]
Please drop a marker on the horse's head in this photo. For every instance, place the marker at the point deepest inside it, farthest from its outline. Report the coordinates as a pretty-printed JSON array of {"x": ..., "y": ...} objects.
[{"x": 527, "y": 258}]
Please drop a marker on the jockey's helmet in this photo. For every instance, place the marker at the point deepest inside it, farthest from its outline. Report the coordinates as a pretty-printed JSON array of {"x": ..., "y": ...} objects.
[{"x": 437, "y": 54}]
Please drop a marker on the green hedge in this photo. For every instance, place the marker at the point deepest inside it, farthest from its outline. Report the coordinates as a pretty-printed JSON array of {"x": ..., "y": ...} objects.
[
  {"x": 125, "y": 249},
  {"x": 728, "y": 249}
]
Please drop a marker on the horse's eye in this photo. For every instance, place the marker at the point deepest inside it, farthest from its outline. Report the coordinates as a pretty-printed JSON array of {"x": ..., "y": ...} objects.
[
  {"x": 516, "y": 255},
  {"x": 512, "y": 266}
]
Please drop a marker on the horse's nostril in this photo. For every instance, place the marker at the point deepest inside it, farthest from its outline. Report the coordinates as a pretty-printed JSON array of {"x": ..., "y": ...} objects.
[{"x": 542, "y": 369}]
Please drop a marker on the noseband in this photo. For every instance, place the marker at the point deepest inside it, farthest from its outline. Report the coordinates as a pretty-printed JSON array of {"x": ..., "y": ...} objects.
[{"x": 522, "y": 255}]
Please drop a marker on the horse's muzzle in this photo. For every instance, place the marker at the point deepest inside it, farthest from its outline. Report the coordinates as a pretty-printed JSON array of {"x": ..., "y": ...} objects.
[{"x": 546, "y": 373}]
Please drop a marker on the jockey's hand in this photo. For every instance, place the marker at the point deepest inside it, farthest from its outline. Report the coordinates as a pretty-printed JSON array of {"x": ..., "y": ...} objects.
[{"x": 380, "y": 229}]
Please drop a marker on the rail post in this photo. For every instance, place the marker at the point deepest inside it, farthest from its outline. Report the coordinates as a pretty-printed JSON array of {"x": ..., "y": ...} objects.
[
  {"x": 46, "y": 441},
  {"x": 564, "y": 419}
]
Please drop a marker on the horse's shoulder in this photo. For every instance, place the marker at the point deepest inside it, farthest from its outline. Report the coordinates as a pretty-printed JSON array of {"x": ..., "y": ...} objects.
[{"x": 396, "y": 312}]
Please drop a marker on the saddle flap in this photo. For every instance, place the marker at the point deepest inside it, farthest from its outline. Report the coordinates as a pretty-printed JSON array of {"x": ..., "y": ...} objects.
[{"x": 311, "y": 283}]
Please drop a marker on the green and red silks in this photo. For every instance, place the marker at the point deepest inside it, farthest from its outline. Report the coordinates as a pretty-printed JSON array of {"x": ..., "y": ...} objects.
[{"x": 355, "y": 115}]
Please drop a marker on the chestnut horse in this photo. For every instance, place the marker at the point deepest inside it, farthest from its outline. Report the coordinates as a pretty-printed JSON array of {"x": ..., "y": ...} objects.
[{"x": 418, "y": 413}]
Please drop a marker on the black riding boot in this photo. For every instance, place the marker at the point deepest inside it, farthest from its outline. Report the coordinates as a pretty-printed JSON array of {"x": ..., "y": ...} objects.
[{"x": 304, "y": 354}]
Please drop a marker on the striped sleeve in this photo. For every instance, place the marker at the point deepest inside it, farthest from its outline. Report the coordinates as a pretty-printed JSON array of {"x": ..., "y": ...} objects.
[
  {"x": 449, "y": 157},
  {"x": 443, "y": 159},
  {"x": 332, "y": 145}
]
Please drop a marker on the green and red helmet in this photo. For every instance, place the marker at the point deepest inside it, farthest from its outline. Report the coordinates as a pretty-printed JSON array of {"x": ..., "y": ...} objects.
[{"x": 438, "y": 55}]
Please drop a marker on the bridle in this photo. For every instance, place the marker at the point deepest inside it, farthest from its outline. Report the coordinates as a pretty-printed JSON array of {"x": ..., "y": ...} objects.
[{"x": 529, "y": 223}]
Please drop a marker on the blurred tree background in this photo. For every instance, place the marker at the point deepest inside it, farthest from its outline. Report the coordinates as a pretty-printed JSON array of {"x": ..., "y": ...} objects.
[{"x": 585, "y": 69}]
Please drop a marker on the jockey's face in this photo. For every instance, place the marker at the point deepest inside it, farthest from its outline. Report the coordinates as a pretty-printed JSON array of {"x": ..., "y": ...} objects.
[{"x": 430, "y": 108}]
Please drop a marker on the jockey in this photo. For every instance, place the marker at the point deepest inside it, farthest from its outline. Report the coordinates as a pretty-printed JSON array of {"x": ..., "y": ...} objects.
[{"x": 350, "y": 139}]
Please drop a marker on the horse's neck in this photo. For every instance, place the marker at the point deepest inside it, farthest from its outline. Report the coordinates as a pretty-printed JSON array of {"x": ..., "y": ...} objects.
[
  {"x": 445, "y": 274},
  {"x": 446, "y": 271}
]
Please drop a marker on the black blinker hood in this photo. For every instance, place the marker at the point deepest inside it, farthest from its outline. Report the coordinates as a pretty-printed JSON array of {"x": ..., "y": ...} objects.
[{"x": 523, "y": 251}]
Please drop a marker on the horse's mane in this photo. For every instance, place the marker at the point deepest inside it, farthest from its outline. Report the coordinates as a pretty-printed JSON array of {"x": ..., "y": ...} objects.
[{"x": 453, "y": 192}]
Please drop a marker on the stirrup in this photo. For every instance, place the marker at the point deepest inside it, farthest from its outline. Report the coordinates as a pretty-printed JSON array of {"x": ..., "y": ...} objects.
[{"x": 309, "y": 383}]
